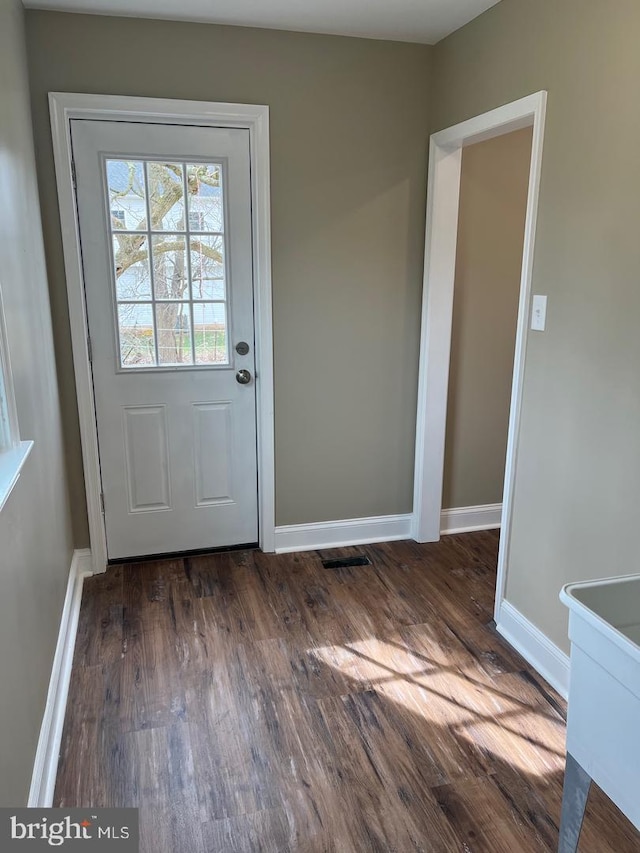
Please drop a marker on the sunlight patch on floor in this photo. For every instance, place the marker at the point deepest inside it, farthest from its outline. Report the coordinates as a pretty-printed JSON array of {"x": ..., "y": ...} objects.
[{"x": 457, "y": 695}]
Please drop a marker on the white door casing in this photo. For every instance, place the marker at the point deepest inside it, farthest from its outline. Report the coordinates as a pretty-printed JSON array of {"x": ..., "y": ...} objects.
[
  {"x": 443, "y": 194},
  {"x": 66, "y": 107}
]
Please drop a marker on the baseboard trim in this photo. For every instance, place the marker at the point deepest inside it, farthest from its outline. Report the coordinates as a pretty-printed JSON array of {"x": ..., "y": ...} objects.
[
  {"x": 535, "y": 647},
  {"x": 45, "y": 767},
  {"x": 465, "y": 519},
  {"x": 339, "y": 534}
]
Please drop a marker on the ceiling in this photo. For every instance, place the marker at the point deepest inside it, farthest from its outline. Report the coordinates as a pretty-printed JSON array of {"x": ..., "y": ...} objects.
[{"x": 424, "y": 21}]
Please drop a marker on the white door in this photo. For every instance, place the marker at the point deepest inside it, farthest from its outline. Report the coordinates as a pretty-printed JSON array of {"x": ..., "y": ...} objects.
[{"x": 165, "y": 236}]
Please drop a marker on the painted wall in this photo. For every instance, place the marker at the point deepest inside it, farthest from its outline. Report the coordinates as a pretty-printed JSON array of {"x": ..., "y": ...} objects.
[
  {"x": 493, "y": 201},
  {"x": 576, "y": 500},
  {"x": 349, "y": 136},
  {"x": 35, "y": 526}
]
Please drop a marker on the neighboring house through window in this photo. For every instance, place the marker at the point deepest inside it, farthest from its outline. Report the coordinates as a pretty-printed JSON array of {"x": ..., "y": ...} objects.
[
  {"x": 119, "y": 217},
  {"x": 196, "y": 220}
]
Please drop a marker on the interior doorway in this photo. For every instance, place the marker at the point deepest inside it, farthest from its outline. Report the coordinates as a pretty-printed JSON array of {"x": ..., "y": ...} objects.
[
  {"x": 492, "y": 210},
  {"x": 443, "y": 212}
]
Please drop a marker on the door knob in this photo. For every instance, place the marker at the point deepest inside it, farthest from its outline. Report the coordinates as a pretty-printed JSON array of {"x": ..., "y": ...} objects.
[{"x": 243, "y": 377}]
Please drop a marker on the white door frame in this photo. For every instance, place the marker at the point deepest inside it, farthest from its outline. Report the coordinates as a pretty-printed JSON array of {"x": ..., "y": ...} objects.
[
  {"x": 445, "y": 160},
  {"x": 67, "y": 106}
]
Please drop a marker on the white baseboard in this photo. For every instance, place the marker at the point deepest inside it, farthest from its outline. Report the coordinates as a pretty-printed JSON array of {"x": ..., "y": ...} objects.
[
  {"x": 535, "y": 647},
  {"x": 339, "y": 534},
  {"x": 45, "y": 766},
  {"x": 464, "y": 519}
]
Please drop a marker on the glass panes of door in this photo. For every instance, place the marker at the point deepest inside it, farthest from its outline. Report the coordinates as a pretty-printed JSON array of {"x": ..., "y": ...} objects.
[{"x": 167, "y": 232}]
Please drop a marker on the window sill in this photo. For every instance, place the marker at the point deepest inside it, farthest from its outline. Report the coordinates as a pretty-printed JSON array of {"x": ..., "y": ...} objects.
[{"x": 11, "y": 462}]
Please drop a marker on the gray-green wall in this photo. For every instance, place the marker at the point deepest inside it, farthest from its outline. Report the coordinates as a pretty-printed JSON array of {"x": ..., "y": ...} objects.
[
  {"x": 349, "y": 128},
  {"x": 349, "y": 139},
  {"x": 494, "y": 182},
  {"x": 35, "y": 525},
  {"x": 576, "y": 507}
]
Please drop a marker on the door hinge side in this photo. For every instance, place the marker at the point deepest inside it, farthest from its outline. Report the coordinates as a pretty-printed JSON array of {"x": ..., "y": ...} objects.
[
  {"x": 102, "y": 502},
  {"x": 73, "y": 174},
  {"x": 89, "y": 349}
]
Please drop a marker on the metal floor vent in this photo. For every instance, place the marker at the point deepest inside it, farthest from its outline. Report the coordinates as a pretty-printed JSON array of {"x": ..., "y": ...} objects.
[{"x": 346, "y": 563}]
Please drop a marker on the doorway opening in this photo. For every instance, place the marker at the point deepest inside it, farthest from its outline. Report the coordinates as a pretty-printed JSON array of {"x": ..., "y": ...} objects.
[
  {"x": 441, "y": 254},
  {"x": 493, "y": 202}
]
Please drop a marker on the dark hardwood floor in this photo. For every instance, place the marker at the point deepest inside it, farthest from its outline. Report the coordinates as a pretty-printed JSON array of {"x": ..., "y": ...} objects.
[{"x": 251, "y": 702}]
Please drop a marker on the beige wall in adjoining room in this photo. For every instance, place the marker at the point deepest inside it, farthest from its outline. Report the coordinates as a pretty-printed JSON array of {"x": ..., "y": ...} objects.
[
  {"x": 493, "y": 200},
  {"x": 35, "y": 523},
  {"x": 575, "y": 511},
  {"x": 349, "y": 140}
]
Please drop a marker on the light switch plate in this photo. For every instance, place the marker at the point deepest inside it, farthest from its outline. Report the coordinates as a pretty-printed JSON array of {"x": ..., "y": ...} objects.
[{"x": 538, "y": 313}]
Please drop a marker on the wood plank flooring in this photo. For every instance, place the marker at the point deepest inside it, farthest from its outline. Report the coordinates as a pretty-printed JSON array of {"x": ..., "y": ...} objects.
[{"x": 251, "y": 702}]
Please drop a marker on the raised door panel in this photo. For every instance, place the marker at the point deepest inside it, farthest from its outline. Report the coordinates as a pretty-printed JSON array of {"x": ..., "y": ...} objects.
[
  {"x": 146, "y": 448},
  {"x": 213, "y": 457}
]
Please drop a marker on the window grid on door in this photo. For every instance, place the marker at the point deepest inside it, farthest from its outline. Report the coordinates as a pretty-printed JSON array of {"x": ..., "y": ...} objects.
[{"x": 167, "y": 230}]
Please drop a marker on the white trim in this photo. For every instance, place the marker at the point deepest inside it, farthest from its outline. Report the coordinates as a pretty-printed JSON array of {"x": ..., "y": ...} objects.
[
  {"x": 435, "y": 338},
  {"x": 64, "y": 107},
  {"x": 45, "y": 767},
  {"x": 437, "y": 312},
  {"x": 339, "y": 534},
  {"x": 465, "y": 519},
  {"x": 535, "y": 647}
]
